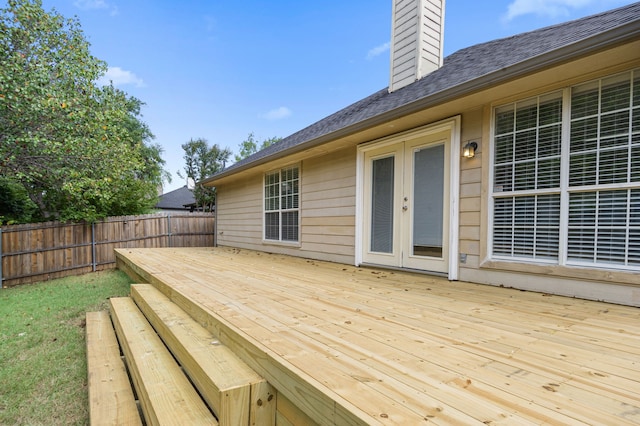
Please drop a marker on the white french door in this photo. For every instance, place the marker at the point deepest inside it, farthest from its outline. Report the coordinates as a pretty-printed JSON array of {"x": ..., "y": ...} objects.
[{"x": 406, "y": 203}]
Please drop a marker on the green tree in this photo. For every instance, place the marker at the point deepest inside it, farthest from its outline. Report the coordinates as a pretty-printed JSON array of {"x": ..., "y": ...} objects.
[
  {"x": 78, "y": 149},
  {"x": 202, "y": 161},
  {"x": 250, "y": 146},
  {"x": 15, "y": 205}
]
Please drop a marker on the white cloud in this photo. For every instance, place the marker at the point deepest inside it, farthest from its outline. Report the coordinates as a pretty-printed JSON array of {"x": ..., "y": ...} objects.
[
  {"x": 277, "y": 114},
  {"x": 378, "y": 50},
  {"x": 550, "y": 8},
  {"x": 96, "y": 4},
  {"x": 120, "y": 77}
]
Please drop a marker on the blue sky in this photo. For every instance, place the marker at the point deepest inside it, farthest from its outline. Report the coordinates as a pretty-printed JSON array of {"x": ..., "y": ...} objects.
[{"x": 222, "y": 69}]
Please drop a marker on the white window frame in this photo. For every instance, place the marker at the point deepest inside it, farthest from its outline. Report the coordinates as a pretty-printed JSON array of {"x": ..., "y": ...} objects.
[
  {"x": 280, "y": 210},
  {"x": 565, "y": 190}
]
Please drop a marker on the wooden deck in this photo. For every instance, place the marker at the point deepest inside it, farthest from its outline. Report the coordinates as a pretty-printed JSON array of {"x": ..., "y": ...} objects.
[{"x": 351, "y": 345}]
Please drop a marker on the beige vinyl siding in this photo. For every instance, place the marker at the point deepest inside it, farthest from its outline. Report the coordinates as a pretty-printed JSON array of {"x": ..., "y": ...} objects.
[
  {"x": 239, "y": 216},
  {"x": 475, "y": 221},
  {"x": 470, "y": 194},
  {"x": 416, "y": 48},
  {"x": 328, "y": 207},
  {"x": 405, "y": 31},
  {"x": 432, "y": 20},
  {"x": 327, "y": 211}
]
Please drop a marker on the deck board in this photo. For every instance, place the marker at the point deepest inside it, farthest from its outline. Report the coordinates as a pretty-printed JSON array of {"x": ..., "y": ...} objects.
[{"x": 390, "y": 347}]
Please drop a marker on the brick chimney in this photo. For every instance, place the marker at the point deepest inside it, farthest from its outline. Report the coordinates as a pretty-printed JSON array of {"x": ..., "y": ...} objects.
[{"x": 416, "y": 40}]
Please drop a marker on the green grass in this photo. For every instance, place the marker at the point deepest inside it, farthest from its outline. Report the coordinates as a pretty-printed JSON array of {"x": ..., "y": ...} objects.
[{"x": 43, "y": 362}]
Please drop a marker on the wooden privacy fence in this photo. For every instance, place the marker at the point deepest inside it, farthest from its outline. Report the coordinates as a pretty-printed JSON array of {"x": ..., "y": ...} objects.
[{"x": 43, "y": 251}]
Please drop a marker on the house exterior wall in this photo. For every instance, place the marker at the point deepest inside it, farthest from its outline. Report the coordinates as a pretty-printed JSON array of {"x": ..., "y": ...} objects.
[
  {"x": 470, "y": 193},
  {"x": 328, "y": 193},
  {"x": 605, "y": 284},
  {"x": 327, "y": 213},
  {"x": 239, "y": 213},
  {"x": 328, "y": 207}
]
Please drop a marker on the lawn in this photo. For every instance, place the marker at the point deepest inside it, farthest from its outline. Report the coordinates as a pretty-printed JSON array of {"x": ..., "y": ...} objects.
[{"x": 43, "y": 365}]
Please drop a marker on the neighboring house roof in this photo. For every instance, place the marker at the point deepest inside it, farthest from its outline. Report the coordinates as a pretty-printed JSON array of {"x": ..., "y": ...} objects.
[
  {"x": 179, "y": 199},
  {"x": 463, "y": 72}
]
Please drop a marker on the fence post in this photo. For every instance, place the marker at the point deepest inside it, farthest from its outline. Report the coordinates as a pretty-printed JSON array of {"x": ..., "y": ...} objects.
[
  {"x": 169, "y": 228},
  {"x": 1, "y": 258},
  {"x": 93, "y": 247}
]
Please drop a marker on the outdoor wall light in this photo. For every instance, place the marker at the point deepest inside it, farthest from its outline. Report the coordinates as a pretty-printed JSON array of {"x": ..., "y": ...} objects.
[{"x": 469, "y": 150}]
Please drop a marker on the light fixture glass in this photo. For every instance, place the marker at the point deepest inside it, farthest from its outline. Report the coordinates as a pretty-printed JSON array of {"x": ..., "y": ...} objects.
[{"x": 469, "y": 150}]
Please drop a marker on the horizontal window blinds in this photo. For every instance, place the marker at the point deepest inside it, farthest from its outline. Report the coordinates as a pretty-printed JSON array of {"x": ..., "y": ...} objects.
[
  {"x": 281, "y": 205},
  {"x": 601, "y": 166}
]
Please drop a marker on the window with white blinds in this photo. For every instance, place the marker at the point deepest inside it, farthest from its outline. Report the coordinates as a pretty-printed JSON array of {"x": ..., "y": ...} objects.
[
  {"x": 566, "y": 176},
  {"x": 526, "y": 181},
  {"x": 281, "y": 205}
]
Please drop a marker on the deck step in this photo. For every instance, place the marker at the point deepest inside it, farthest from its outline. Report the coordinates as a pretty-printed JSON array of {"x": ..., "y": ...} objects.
[
  {"x": 234, "y": 391},
  {"x": 111, "y": 399},
  {"x": 165, "y": 393}
]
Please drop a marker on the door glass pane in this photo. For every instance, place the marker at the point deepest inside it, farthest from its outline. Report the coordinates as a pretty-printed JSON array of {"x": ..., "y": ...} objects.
[
  {"x": 428, "y": 193},
  {"x": 382, "y": 205}
]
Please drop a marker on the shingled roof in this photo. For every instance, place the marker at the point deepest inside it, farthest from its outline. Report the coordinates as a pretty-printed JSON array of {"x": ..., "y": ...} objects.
[
  {"x": 463, "y": 72},
  {"x": 178, "y": 199}
]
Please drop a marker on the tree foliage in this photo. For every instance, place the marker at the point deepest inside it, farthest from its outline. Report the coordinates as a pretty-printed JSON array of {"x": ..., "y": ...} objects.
[
  {"x": 201, "y": 162},
  {"x": 79, "y": 150},
  {"x": 15, "y": 205},
  {"x": 250, "y": 146}
]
